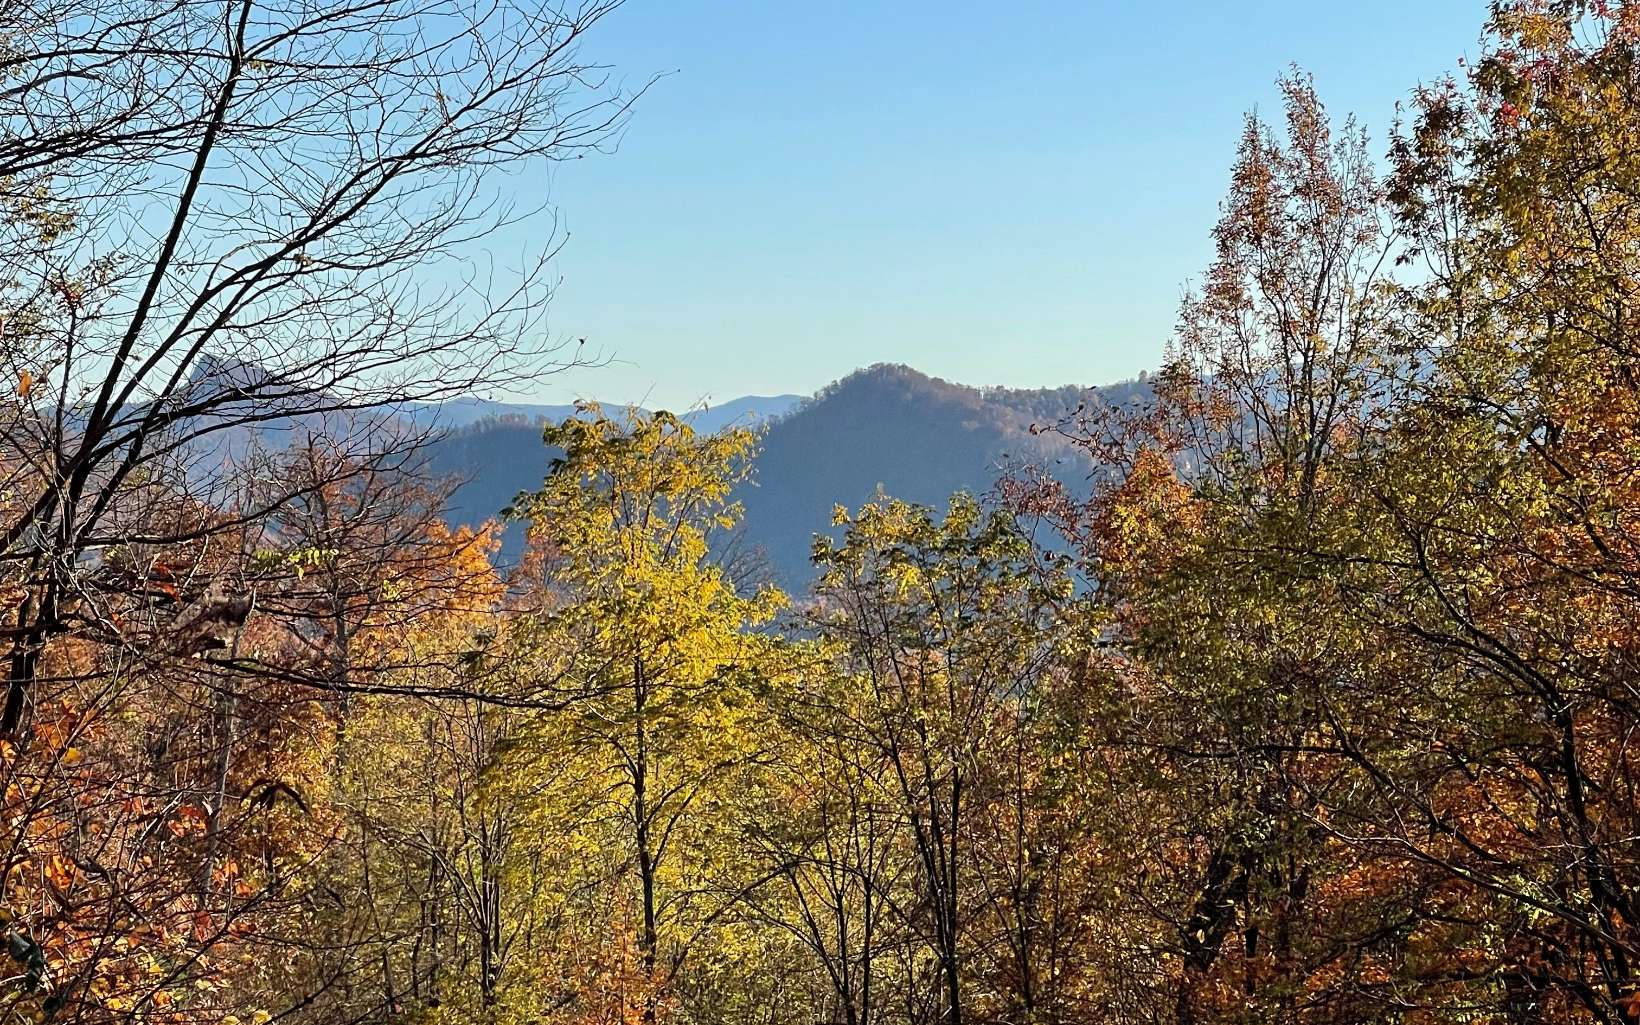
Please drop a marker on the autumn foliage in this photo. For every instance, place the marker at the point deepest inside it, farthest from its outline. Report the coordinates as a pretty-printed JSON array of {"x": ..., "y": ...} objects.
[{"x": 1318, "y": 707}]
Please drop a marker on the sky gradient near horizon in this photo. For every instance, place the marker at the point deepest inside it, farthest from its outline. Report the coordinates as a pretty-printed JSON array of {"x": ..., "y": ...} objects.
[{"x": 995, "y": 194}]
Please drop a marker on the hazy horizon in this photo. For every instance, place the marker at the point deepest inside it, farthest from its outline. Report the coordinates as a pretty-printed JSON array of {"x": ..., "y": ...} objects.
[{"x": 806, "y": 192}]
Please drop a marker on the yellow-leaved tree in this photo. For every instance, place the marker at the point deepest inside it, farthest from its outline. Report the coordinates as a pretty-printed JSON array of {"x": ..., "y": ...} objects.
[{"x": 658, "y": 661}]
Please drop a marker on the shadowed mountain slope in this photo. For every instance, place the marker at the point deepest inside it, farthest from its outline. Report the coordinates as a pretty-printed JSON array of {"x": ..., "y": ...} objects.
[{"x": 887, "y": 428}]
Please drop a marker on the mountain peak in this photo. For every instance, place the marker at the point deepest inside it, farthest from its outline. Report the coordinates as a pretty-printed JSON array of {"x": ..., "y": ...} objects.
[
  {"x": 224, "y": 372},
  {"x": 887, "y": 426}
]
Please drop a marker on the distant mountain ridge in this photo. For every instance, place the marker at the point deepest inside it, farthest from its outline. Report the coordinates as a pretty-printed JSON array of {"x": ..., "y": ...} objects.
[
  {"x": 915, "y": 437},
  {"x": 886, "y": 427},
  {"x": 466, "y": 411}
]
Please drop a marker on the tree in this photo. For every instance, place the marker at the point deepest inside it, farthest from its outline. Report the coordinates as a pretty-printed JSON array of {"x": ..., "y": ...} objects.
[
  {"x": 1372, "y": 592},
  {"x": 825, "y": 842},
  {"x": 655, "y": 653},
  {"x": 946, "y": 625},
  {"x": 232, "y": 214}
]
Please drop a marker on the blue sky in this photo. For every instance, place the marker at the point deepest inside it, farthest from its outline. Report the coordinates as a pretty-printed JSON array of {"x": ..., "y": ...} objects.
[{"x": 994, "y": 193}]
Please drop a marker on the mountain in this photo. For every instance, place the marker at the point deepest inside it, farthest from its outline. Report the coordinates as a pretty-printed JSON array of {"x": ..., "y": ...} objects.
[
  {"x": 746, "y": 411},
  {"x": 887, "y": 428},
  {"x": 498, "y": 454},
  {"x": 912, "y": 436},
  {"x": 468, "y": 410}
]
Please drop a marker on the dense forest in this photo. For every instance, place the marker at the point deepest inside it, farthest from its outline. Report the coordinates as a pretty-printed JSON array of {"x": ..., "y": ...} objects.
[{"x": 1316, "y": 704}]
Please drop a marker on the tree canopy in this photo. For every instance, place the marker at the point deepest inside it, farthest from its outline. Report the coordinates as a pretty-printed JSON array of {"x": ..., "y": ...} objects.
[{"x": 1317, "y": 707}]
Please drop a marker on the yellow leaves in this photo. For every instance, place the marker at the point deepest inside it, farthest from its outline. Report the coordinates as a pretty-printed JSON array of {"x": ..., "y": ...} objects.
[
  {"x": 904, "y": 578},
  {"x": 1536, "y": 29},
  {"x": 59, "y": 871},
  {"x": 1150, "y": 517},
  {"x": 25, "y": 384},
  {"x": 628, "y": 509}
]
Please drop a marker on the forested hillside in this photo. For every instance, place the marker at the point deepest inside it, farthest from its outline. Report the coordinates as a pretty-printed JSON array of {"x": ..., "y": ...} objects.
[
  {"x": 894, "y": 430},
  {"x": 487, "y": 452},
  {"x": 886, "y": 428},
  {"x": 1301, "y": 688}
]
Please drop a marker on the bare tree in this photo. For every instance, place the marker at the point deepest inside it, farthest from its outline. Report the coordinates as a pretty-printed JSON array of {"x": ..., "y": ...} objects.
[{"x": 224, "y": 217}]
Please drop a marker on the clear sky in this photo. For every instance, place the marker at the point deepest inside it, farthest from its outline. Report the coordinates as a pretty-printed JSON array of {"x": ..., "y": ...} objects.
[{"x": 995, "y": 193}]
